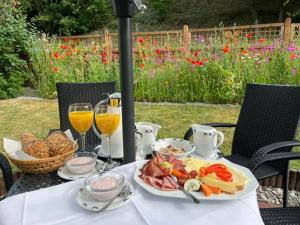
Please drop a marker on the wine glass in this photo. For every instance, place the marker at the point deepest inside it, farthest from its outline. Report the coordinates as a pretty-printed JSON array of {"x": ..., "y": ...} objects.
[
  {"x": 107, "y": 119},
  {"x": 81, "y": 118}
]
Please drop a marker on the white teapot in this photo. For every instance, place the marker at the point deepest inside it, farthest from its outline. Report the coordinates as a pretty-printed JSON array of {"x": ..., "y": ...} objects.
[{"x": 149, "y": 133}]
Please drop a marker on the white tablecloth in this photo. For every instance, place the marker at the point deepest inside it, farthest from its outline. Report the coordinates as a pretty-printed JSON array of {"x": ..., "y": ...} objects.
[{"x": 57, "y": 206}]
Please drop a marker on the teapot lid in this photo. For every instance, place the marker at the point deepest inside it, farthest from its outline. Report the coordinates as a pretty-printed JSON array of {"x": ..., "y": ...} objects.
[
  {"x": 115, "y": 99},
  {"x": 143, "y": 128},
  {"x": 202, "y": 128}
]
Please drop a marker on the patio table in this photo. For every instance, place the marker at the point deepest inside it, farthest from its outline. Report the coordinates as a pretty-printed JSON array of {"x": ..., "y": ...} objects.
[{"x": 57, "y": 205}]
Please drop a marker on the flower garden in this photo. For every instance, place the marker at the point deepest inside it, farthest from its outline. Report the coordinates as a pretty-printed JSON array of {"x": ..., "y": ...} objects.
[{"x": 213, "y": 71}]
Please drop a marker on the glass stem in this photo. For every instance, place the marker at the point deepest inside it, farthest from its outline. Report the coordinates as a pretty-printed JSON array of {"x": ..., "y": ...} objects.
[
  {"x": 109, "y": 160},
  {"x": 82, "y": 137}
]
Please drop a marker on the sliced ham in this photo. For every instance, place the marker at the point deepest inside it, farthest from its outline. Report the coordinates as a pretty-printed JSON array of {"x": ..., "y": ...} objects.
[
  {"x": 154, "y": 182},
  {"x": 168, "y": 184},
  {"x": 158, "y": 159},
  {"x": 156, "y": 176},
  {"x": 153, "y": 170}
]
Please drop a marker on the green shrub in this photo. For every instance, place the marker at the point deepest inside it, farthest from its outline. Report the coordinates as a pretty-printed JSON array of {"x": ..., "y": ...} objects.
[{"x": 15, "y": 41}]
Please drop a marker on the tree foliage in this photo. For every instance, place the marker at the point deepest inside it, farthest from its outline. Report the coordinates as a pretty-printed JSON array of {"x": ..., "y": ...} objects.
[{"x": 66, "y": 17}]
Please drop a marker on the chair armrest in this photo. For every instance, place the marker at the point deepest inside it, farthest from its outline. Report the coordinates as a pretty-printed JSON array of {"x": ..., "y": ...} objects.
[
  {"x": 255, "y": 162},
  {"x": 6, "y": 171},
  {"x": 275, "y": 146},
  {"x": 188, "y": 134},
  {"x": 220, "y": 124}
]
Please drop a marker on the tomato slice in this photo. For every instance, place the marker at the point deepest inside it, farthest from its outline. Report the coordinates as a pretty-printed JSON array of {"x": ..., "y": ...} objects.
[
  {"x": 224, "y": 175},
  {"x": 216, "y": 167}
]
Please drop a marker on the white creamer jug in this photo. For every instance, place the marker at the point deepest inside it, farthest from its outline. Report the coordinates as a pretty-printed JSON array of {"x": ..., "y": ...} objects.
[{"x": 205, "y": 139}]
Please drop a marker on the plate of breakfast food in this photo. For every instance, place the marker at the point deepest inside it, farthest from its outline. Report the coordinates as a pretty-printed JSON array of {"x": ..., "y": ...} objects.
[{"x": 205, "y": 179}]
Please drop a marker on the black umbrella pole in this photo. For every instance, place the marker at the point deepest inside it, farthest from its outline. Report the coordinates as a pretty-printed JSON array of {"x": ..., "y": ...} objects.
[{"x": 126, "y": 73}]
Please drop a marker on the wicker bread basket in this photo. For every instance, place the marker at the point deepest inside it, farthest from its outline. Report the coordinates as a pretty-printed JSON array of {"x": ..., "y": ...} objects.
[{"x": 41, "y": 166}]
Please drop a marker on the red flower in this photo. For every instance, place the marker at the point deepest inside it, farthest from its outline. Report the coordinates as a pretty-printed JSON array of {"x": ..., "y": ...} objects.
[
  {"x": 249, "y": 35},
  {"x": 155, "y": 43},
  {"x": 141, "y": 40},
  {"x": 142, "y": 65},
  {"x": 205, "y": 60},
  {"x": 189, "y": 59},
  {"x": 64, "y": 47},
  {"x": 158, "y": 51},
  {"x": 197, "y": 52},
  {"x": 55, "y": 69},
  {"x": 56, "y": 55},
  {"x": 226, "y": 49},
  {"x": 103, "y": 54},
  {"x": 103, "y": 57},
  {"x": 293, "y": 56},
  {"x": 261, "y": 40},
  {"x": 104, "y": 60},
  {"x": 66, "y": 39},
  {"x": 199, "y": 63}
]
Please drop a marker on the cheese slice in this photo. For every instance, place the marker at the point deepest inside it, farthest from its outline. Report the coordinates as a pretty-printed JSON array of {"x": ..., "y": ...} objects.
[
  {"x": 239, "y": 178},
  {"x": 194, "y": 163},
  {"x": 213, "y": 181}
]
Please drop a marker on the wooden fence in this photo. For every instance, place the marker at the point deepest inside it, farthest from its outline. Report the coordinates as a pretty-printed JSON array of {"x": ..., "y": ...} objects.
[{"x": 186, "y": 38}]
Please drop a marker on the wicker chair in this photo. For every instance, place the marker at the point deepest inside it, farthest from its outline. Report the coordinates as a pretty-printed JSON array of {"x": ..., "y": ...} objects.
[
  {"x": 269, "y": 114},
  {"x": 7, "y": 172},
  {"x": 277, "y": 216},
  {"x": 69, "y": 93}
]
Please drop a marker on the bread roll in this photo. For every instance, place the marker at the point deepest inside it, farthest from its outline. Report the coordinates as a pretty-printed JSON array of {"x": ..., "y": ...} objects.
[
  {"x": 58, "y": 143},
  {"x": 34, "y": 147}
]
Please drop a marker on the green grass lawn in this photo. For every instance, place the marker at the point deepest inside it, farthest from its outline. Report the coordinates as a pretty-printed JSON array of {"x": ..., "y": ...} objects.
[{"x": 38, "y": 116}]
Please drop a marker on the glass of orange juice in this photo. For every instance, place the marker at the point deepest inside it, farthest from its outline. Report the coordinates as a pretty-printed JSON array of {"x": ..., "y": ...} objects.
[
  {"x": 107, "y": 119},
  {"x": 81, "y": 118}
]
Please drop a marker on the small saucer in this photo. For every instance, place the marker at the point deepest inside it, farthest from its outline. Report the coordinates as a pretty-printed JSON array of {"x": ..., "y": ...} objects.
[
  {"x": 66, "y": 174},
  {"x": 214, "y": 156},
  {"x": 86, "y": 201}
]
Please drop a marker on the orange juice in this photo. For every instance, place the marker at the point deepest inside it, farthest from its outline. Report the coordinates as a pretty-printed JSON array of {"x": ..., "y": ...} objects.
[
  {"x": 81, "y": 121},
  {"x": 107, "y": 123}
]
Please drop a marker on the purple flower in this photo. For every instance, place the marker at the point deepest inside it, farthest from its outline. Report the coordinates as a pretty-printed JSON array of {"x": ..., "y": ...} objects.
[
  {"x": 252, "y": 49},
  {"x": 292, "y": 48},
  {"x": 294, "y": 71},
  {"x": 199, "y": 38},
  {"x": 270, "y": 48}
]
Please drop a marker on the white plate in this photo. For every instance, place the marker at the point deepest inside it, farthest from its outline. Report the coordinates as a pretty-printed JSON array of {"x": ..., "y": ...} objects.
[
  {"x": 66, "y": 174},
  {"x": 175, "y": 142},
  {"x": 251, "y": 185},
  {"x": 87, "y": 202}
]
